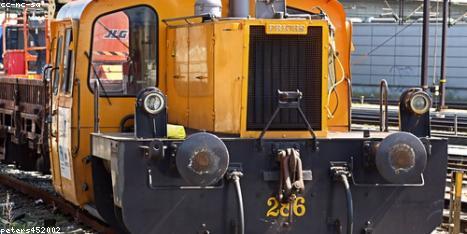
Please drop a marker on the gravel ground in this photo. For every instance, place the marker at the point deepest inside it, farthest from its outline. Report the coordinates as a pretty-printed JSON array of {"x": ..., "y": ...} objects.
[
  {"x": 20, "y": 212},
  {"x": 33, "y": 177}
]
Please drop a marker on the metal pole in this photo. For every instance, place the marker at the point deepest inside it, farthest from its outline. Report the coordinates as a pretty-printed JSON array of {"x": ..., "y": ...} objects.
[
  {"x": 442, "y": 81},
  {"x": 96, "y": 106},
  {"x": 425, "y": 44},
  {"x": 239, "y": 8},
  {"x": 25, "y": 41},
  {"x": 451, "y": 201},
  {"x": 401, "y": 11},
  {"x": 457, "y": 201}
]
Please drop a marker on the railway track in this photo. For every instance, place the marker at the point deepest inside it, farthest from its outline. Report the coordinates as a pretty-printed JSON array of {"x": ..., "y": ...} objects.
[
  {"x": 375, "y": 101},
  {"x": 59, "y": 203},
  {"x": 463, "y": 216},
  {"x": 451, "y": 124}
]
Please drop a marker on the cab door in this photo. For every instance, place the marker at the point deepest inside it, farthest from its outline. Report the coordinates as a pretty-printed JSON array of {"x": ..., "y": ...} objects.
[{"x": 62, "y": 105}]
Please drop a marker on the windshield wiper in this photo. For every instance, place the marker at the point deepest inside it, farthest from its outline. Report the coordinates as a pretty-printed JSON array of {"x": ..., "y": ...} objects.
[{"x": 97, "y": 77}]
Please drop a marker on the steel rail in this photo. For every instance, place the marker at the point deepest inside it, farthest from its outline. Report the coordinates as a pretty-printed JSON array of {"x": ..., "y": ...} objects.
[{"x": 444, "y": 126}]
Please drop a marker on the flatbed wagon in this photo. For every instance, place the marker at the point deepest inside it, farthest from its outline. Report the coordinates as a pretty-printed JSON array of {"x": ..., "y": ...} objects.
[{"x": 23, "y": 130}]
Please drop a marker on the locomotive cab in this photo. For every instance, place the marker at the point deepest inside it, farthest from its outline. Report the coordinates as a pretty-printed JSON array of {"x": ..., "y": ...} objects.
[{"x": 263, "y": 104}]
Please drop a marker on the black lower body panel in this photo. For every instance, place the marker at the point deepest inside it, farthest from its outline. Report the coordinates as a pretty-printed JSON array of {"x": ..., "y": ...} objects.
[{"x": 155, "y": 199}]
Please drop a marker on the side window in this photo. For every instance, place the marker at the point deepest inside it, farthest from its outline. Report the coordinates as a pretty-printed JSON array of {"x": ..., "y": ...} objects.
[
  {"x": 37, "y": 44},
  {"x": 67, "y": 82},
  {"x": 124, "y": 51},
  {"x": 14, "y": 38},
  {"x": 58, "y": 60}
]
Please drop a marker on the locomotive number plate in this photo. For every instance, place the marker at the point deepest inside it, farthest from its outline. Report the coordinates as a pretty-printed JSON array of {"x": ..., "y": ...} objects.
[
  {"x": 286, "y": 29},
  {"x": 276, "y": 208}
]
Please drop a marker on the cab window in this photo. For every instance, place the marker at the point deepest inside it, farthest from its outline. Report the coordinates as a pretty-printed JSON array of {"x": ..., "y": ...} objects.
[
  {"x": 67, "y": 82},
  {"x": 58, "y": 60},
  {"x": 124, "y": 52},
  {"x": 14, "y": 38}
]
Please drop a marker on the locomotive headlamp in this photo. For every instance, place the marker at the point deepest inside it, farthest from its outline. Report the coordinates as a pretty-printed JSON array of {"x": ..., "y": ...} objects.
[
  {"x": 151, "y": 114},
  {"x": 414, "y": 112},
  {"x": 401, "y": 158},
  {"x": 420, "y": 102},
  {"x": 154, "y": 103}
]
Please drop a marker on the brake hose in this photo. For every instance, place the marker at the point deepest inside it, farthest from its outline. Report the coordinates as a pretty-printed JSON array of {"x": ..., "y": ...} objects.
[
  {"x": 341, "y": 172},
  {"x": 235, "y": 177},
  {"x": 348, "y": 195}
]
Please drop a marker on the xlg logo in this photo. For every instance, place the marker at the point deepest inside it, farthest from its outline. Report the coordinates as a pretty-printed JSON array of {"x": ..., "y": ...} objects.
[{"x": 116, "y": 34}]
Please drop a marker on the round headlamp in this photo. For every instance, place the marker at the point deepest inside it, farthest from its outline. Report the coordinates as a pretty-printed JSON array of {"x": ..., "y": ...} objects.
[
  {"x": 154, "y": 103},
  {"x": 420, "y": 102}
]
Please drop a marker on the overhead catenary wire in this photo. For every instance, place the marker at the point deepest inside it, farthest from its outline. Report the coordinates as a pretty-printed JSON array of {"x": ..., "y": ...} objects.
[
  {"x": 392, "y": 10},
  {"x": 452, "y": 23},
  {"x": 386, "y": 41},
  {"x": 388, "y": 5}
]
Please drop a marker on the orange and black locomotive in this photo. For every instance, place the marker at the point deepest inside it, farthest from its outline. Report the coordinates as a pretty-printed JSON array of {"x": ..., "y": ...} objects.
[{"x": 230, "y": 117}]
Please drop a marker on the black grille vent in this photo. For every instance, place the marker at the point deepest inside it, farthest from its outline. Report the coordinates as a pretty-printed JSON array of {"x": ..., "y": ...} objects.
[{"x": 287, "y": 63}]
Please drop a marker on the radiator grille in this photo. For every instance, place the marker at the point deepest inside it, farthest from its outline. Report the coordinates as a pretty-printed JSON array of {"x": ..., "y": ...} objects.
[{"x": 287, "y": 63}]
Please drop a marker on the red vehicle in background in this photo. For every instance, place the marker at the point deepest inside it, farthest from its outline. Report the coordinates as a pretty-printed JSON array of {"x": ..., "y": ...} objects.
[
  {"x": 20, "y": 58},
  {"x": 24, "y": 94},
  {"x": 25, "y": 43}
]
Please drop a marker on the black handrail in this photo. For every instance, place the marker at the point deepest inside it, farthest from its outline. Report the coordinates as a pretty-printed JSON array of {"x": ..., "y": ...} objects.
[
  {"x": 187, "y": 18},
  {"x": 383, "y": 100}
]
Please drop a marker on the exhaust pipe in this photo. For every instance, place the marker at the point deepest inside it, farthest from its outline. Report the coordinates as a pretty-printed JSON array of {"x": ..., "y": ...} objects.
[
  {"x": 240, "y": 8},
  {"x": 212, "y": 7}
]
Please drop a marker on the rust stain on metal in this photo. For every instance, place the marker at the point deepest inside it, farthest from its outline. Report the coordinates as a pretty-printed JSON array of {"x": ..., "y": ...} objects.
[
  {"x": 203, "y": 161},
  {"x": 402, "y": 158}
]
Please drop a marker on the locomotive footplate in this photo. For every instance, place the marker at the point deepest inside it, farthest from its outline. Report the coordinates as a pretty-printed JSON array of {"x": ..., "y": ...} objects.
[{"x": 285, "y": 187}]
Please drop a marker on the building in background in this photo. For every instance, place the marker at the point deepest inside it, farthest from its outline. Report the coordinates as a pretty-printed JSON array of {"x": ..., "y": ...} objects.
[
  {"x": 388, "y": 46},
  {"x": 368, "y": 9}
]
